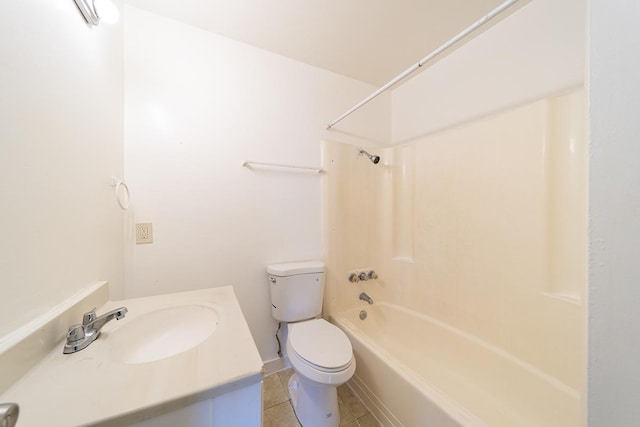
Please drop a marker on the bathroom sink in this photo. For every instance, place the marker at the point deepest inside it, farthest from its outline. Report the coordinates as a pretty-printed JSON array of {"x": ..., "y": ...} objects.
[{"x": 163, "y": 333}]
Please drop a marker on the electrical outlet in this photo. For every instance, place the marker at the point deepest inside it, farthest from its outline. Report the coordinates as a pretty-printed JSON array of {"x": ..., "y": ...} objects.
[{"x": 144, "y": 233}]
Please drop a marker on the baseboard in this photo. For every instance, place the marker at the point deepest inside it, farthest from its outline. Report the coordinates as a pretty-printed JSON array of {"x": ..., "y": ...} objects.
[{"x": 275, "y": 365}]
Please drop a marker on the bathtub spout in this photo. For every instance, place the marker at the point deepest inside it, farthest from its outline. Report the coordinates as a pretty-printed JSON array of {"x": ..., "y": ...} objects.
[{"x": 365, "y": 297}]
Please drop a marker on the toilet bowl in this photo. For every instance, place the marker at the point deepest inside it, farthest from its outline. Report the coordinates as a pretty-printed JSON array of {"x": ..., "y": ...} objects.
[{"x": 322, "y": 359}]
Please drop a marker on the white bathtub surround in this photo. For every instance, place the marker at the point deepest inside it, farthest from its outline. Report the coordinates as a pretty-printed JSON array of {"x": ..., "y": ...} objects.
[
  {"x": 413, "y": 368},
  {"x": 477, "y": 219},
  {"x": 103, "y": 385},
  {"x": 481, "y": 227}
]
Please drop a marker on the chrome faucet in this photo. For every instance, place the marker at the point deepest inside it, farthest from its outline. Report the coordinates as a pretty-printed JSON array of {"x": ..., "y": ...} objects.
[
  {"x": 365, "y": 297},
  {"x": 9, "y": 414},
  {"x": 80, "y": 336}
]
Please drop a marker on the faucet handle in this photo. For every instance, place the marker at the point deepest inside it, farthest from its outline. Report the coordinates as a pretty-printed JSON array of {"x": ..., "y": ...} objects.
[
  {"x": 89, "y": 317},
  {"x": 75, "y": 333},
  {"x": 9, "y": 414}
]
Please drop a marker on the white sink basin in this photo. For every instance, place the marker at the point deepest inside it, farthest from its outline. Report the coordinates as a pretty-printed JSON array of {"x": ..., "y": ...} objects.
[{"x": 163, "y": 333}]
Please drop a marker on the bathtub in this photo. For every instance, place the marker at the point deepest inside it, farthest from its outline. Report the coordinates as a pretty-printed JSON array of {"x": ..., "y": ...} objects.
[{"x": 413, "y": 370}]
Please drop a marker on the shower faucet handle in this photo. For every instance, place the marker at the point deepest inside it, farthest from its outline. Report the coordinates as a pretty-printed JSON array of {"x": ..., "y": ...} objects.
[{"x": 362, "y": 275}]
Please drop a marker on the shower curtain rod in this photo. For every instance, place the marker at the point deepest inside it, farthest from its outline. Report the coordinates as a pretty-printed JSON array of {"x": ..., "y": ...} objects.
[{"x": 479, "y": 23}]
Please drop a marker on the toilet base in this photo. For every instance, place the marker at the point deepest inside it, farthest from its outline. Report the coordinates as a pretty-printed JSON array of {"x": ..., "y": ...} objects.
[
  {"x": 293, "y": 390},
  {"x": 315, "y": 405}
]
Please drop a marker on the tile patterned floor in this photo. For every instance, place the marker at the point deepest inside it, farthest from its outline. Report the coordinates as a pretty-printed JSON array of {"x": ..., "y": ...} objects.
[{"x": 278, "y": 411}]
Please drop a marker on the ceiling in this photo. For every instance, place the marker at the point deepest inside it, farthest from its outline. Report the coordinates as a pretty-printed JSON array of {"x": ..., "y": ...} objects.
[{"x": 368, "y": 40}]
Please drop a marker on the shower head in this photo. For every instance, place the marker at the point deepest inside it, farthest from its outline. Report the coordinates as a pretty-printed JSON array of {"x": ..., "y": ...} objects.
[{"x": 374, "y": 159}]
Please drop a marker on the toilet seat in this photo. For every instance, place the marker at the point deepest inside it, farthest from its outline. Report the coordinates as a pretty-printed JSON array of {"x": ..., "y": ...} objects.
[
  {"x": 321, "y": 345},
  {"x": 309, "y": 372}
]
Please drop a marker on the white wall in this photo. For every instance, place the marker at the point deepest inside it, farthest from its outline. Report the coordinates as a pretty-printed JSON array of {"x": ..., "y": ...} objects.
[
  {"x": 614, "y": 278},
  {"x": 537, "y": 51},
  {"x": 196, "y": 106},
  {"x": 61, "y": 128}
]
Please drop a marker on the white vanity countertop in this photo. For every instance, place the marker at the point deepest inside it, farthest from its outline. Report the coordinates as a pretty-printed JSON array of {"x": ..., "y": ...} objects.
[{"x": 93, "y": 386}]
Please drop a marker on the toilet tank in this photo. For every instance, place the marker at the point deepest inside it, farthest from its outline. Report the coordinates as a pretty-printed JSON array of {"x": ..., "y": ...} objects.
[{"x": 297, "y": 289}]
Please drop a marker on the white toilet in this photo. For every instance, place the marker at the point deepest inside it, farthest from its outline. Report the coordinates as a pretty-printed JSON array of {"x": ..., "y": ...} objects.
[{"x": 320, "y": 353}]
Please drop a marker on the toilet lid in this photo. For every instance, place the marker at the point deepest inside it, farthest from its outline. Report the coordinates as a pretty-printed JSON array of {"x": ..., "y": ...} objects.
[{"x": 321, "y": 343}]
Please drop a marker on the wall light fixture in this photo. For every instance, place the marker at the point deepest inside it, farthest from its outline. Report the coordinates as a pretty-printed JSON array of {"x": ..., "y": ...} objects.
[{"x": 96, "y": 11}]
